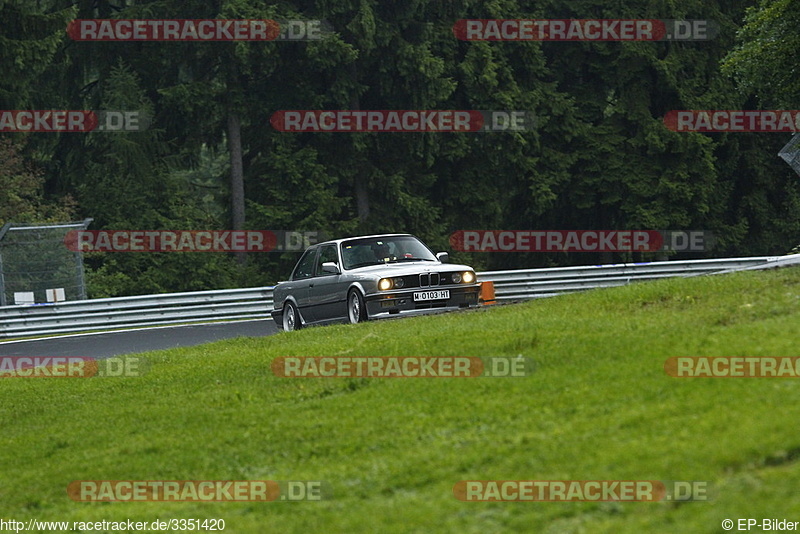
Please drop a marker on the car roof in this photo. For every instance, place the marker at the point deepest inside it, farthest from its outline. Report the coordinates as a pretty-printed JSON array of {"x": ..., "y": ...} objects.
[{"x": 339, "y": 241}]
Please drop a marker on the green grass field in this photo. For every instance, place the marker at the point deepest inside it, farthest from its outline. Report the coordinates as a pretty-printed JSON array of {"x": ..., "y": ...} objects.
[{"x": 598, "y": 407}]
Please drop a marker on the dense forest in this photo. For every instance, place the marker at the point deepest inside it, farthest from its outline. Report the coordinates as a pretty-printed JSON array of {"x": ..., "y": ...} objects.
[{"x": 599, "y": 156}]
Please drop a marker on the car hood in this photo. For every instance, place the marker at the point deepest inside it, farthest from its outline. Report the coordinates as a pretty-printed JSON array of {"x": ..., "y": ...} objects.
[{"x": 406, "y": 268}]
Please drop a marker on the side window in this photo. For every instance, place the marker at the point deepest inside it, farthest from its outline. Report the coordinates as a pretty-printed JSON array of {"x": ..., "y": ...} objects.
[
  {"x": 326, "y": 254},
  {"x": 305, "y": 267}
]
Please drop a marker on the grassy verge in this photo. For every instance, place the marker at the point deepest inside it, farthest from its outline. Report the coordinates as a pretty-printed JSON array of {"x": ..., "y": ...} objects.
[{"x": 598, "y": 407}]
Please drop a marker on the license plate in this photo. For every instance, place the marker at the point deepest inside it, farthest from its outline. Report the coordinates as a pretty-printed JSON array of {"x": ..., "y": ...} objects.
[{"x": 431, "y": 295}]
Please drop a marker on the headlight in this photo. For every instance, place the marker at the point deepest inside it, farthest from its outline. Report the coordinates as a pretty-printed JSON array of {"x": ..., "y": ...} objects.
[
  {"x": 456, "y": 278},
  {"x": 385, "y": 283},
  {"x": 468, "y": 277},
  {"x": 399, "y": 282}
]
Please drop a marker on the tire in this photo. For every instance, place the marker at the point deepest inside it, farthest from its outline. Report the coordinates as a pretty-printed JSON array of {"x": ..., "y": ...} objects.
[
  {"x": 291, "y": 317},
  {"x": 356, "y": 310}
]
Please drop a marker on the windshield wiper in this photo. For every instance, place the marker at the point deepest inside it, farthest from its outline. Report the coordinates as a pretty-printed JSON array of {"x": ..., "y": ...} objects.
[
  {"x": 414, "y": 259},
  {"x": 363, "y": 264}
]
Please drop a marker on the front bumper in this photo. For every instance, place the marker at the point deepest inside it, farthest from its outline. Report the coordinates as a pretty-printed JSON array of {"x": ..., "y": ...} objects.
[{"x": 402, "y": 301}]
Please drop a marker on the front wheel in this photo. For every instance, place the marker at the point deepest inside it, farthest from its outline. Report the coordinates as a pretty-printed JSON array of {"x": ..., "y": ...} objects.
[
  {"x": 291, "y": 318},
  {"x": 356, "y": 311}
]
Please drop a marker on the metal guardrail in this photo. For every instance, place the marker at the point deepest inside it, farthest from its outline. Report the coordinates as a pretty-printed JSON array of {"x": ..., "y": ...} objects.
[
  {"x": 536, "y": 283},
  {"x": 127, "y": 312},
  {"x": 256, "y": 303}
]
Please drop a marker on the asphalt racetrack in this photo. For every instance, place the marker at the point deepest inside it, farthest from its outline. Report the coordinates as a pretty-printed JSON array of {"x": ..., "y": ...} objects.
[{"x": 106, "y": 344}]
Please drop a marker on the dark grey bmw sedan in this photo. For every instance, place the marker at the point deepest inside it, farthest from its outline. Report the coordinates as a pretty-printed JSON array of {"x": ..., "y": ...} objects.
[{"x": 362, "y": 278}]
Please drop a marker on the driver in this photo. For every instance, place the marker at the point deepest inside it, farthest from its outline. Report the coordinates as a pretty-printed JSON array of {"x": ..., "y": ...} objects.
[{"x": 382, "y": 251}]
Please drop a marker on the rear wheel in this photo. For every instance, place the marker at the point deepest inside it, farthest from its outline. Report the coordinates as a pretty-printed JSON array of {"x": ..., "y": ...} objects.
[
  {"x": 356, "y": 311},
  {"x": 291, "y": 318}
]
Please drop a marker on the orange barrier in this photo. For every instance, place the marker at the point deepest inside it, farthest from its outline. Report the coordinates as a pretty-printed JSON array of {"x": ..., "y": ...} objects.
[{"x": 486, "y": 296}]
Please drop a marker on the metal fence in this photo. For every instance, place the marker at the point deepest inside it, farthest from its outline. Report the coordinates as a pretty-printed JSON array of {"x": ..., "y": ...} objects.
[
  {"x": 790, "y": 153},
  {"x": 36, "y": 266},
  {"x": 256, "y": 303}
]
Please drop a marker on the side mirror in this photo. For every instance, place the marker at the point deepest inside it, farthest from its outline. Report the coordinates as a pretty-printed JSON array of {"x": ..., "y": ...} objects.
[
  {"x": 330, "y": 267},
  {"x": 443, "y": 257}
]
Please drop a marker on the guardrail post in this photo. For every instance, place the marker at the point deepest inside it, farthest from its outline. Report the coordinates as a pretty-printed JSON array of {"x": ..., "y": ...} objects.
[{"x": 3, "y": 231}]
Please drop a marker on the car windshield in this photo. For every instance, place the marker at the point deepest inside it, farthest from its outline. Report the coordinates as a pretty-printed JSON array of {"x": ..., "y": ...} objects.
[{"x": 384, "y": 249}]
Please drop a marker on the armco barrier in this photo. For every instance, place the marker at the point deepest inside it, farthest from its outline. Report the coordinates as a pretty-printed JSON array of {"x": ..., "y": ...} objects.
[
  {"x": 256, "y": 303},
  {"x": 127, "y": 312},
  {"x": 535, "y": 283}
]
